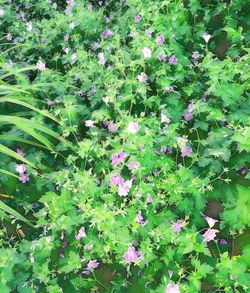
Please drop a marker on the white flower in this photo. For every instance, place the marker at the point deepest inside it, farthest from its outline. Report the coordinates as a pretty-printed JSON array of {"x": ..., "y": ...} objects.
[
  {"x": 206, "y": 37},
  {"x": 165, "y": 119},
  {"x": 29, "y": 26},
  {"x": 89, "y": 123},
  {"x": 106, "y": 100},
  {"x": 133, "y": 127},
  {"x": 1, "y": 12},
  {"x": 142, "y": 77},
  {"x": 40, "y": 65},
  {"x": 146, "y": 52},
  {"x": 74, "y": 57},
  {"x": 101, "y": 58},
  {"x": 72, "y": 25}
]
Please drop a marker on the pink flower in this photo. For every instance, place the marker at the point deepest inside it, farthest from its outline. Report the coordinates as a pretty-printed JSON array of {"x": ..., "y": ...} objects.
[
  {"x": 181, "y": 141},
  {"x": 118, "y": 158},
  {"x": 195, "y": 55},
  {"x": 191, "y": 107},
  {"x": 142, "y": 77},
  {"x": 161, "y": 57},
  {"x": 172, "y": 288},
  {"x": 133, "y": 127},
  {"x": 173, "y": 60},
  {"x": 186, "y": 151},
  {"x": 23, "y": 177},
  {"x": 133, "y": 165},
  {"x": 206, "y": 37},
  {"x": 21, "y": 168},
  {"x": 160, "y": 40},
  {"x": 164, "y": 118},
  {"x": 146, "y": 52},
  {"x": 140, "y": 220},
  {"x": 107, "y": 34},
  {"x": 89, "y": 123},
  {"x": 81, "y": 233},
  {"x": 90, "y": 246},
  {"x": 188, "y": 116},
  {"x": 73, "y": 57},
  {"x": 20, "y": 152},
  {"x": 40, "y": 65},
  {"x": 124, "y": 188},
  {"x": 48, "y": 239},
  {"x": 132, "y": 255},
  {"x": 148, "y": 33},
  {"x": 137, "y": 18},
  {"x": 116, "y": 180},
  {"x": 112, "y": 127},
  {"x": 209, "y": 235},
  {"x": 149, "y": 199},
  {"x": 92, "y": 264},
  {"x": 177, "y": 226},
  {"x": 211, "y": 222}
]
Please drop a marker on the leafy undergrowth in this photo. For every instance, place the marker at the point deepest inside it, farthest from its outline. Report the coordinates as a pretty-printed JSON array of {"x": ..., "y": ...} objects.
[{"x": 124, "y": 146}]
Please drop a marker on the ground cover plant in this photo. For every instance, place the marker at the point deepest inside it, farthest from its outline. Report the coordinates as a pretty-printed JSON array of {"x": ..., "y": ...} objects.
[{"x": 124, "y": 146}]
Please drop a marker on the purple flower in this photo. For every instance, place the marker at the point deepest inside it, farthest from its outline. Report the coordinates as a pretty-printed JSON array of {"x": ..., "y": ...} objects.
[
  {"x": 137, "y": 18},
  {"x": 140, "y": 220},
  {"x": 161, "y": 57},
  {"x": 195, "y": 55},
  {"x": 132, "y": 255},
  {"x": 190, "y": 107},
  {"x": 21, "y": 168},
  {"x": 177, "y": 226},
  {"x": 186, "y": 151},
  {"x": 133, "y": 127},
  {"x": 133, "y": 165},
  {"x": 40, "y": 65},
  {"x": 223, "y": 242},
  {"x": 107, "y": 34},
  {"x": 49, "y": 102},
  {"x": 81, "y": 233},
  {"x": 64, "y": 244},
  {"x": 112, "y": 127},
  {"x": 92, "y": 264},
  {"x": 160, "y": 40},
  {"x": 209, "y": 235},
  {"x": 95, "y": 46},
  {"x": 124, "y": 189},
  {"x": 34, "y": 206},
  {"x": 142, "y": 77},
  {"x": 116, "y": 180},
  {"x": 170, "y": 88},
  {"x": 61, "y": 255},
  {"x": 173, "y": 288},
  {"x": 173, "y": 60},
  {"x": 90, "y": 246},
  {"x": 118, "y": 158},
  {"x": 149, "y": 199},
  {"x": 188, "y": 116},
  {"x": 23, "y": 177}
]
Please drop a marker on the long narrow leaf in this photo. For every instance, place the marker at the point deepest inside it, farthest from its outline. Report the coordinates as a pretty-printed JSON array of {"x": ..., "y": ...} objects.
[
  {"x": 14, "y": 213},
  {"x": 7, "y": 137},
  {"x": 8, "y": 173},
  {"x": 9, "y": 152}
]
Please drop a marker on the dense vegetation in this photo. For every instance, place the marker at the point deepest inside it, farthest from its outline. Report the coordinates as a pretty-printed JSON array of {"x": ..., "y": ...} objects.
[{"x": 124, "y": 146}]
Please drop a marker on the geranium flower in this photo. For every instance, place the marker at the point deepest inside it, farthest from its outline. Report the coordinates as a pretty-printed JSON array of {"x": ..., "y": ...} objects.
[
  {"x": 132, "y": 255},
  {"x": 89, "y": 123},
  {"x": 92, "y": 264},
  {"x": 118, "y": 158},
  {"x": 116, "y": 180},
  {"x": 211, "y": 222},
  {"x": 124, "y": 188},
  {"x": 206, "y": 37},
  {"x": 112, "y": 127},
  {"x": 160, "y": 40},
  {"x": 188, "y": 116},
  {"x": 81, "y": 233},
  {"x": 24, "y": 177},
  {"x": 146, "y": 52},
  {"x": 20, "y": 152},
  {"x": 172, "y": 288},
  {"x": 101, "y": 58},
  {"x": 209, "y": 235},
  {"x": 133, "y": 127},
  {"x": 140, "y": 220},
  {"x": 186, "y": 151},
  {"x": 170, "y": 88},
  {"x": 149, "y": 199},
  {"x": 133, "y": 165},
  {"x": 195, "y": 55},
  {"x": 142, "y": 77},
  {"x": 173, "y": 60},
  {"x": 21, "y": 168},
  {"x": 161, "y": 57},
  {"x": 137, "y": 18},
  {"x": 177, "y": 226},
  {"x": 164, "y": 118},
  {"x": 40, "y": 65},
  {"x": 107, "y": 34}
]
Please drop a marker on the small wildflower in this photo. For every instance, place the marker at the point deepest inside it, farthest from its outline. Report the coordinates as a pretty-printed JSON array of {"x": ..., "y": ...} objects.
[
  {"x": 118, "y": 158},
  {"x": 132, "y": 255},
  {"x": 209, "y": 235},
  {"x": 89, "y": 123},
  {"x": 140, "y": 220},
  {"x": 211, "y": 222},
  {"x": 142, "y": 77},
  {"x": 186, "y": 151},
  {"x": 188, "y": 116},
  {"x": 137, "y": 18},
  {"x": 206, "y": 37},
  {"x": 195, "y": 55},
  {"x": 72, "y": 25},
  {"x": 112, "y": 127},
  {"x": 101, "y": 58},
  {"x": 21, "y": 168},
  {"x": 172, "y": 288},
  {"x": 223, "y": 242},
  {"x": 133, "y": 127},
  {"x": 116, "y": 180},
  {"x": 124, "y": 188},
  {"x": 149, "y": 199},
  {"x": 170, "y": 88},
  {"x": 160, "y": 40},
  {"x": 177, "y": 226},
  {"x": 23, "y": 177},
  {"x": 133, "y": 165},
  {"x": 40, "y": 65},
  {"x": 148, "y": 33},
  {"x": 20, "y": 152},
  {"x": 164, "y": 118},
  {"x": 81, "y": 233},
  {"x": 107, "y": 34},
  {"x": 147, "y": 53},
  {"x": 173, "y": 60}
]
